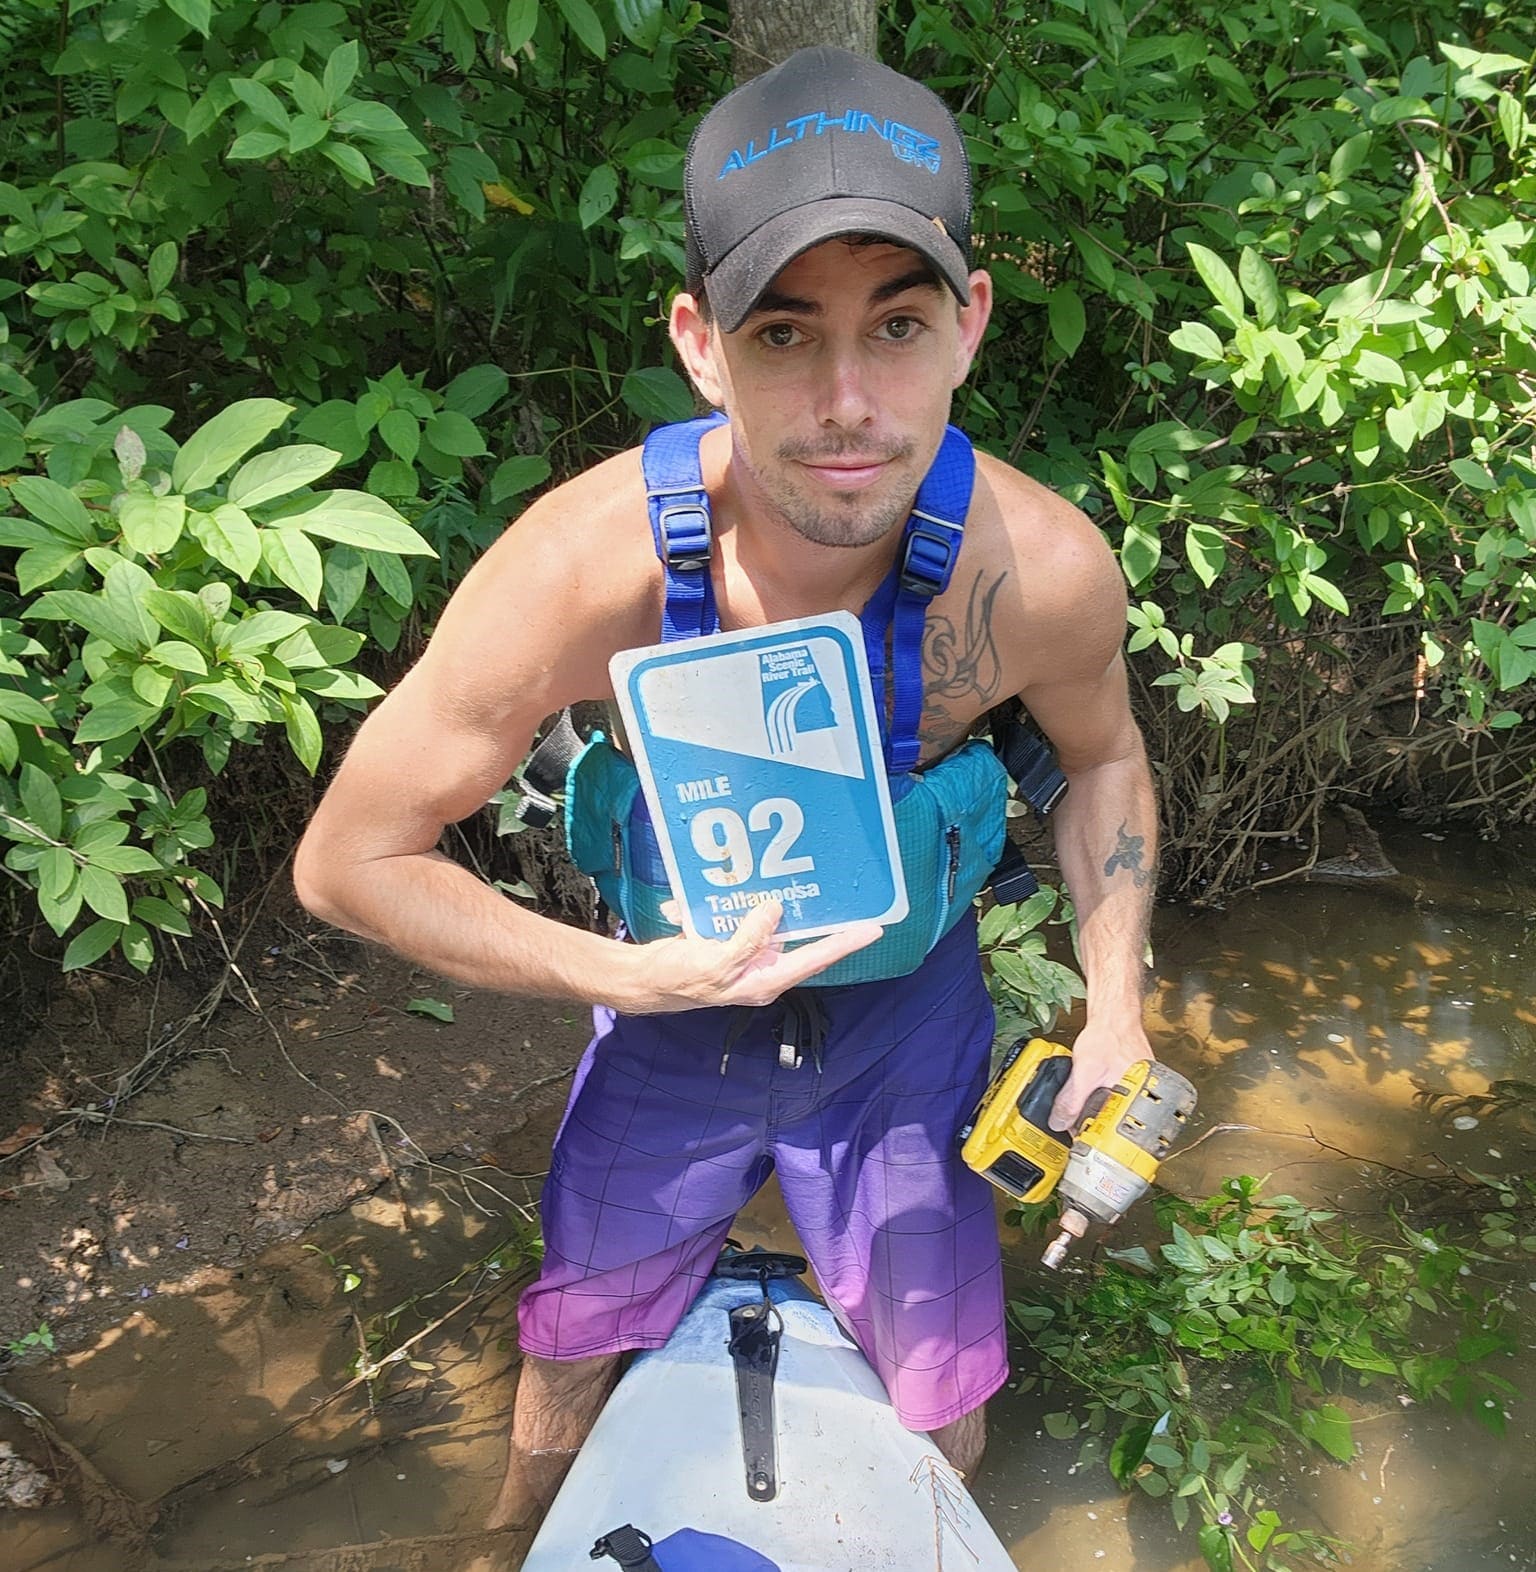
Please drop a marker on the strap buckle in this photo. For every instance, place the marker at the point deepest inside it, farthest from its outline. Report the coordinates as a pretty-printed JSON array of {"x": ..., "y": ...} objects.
[
  {"x": 685, "y": 536},
  {"x": 929, "y": 556}
]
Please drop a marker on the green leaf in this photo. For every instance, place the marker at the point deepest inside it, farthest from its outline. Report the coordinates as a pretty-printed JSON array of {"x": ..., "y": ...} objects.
[
  {"x": 182, "y": 613},
  {"x": 93, "y": 613},
  {"x": 260, "y": 630},
  {"x": 477, "y": 390},
  {"x": 1329, "y": 1428},
  {"x": 1260, "y": 285},
  {"x": 1126, "y": 1454},
  {"x": 229, "y": 537},
  {"x": 521, "y": 20},
  {"x": 24, "y": 709},
  {"x": 316, "y": 644},
  {"x": 161, "y": 914},
  {"x": 197, "y": 14},
  {"x": 118, "y": 718},
  {"x": 401, "y": 432},
  {"x": 41, "y": 565},
  {"x": 516, "y": 475},
  {"x": 640, "y": 21},
  {"x": 583, "y": 22},
  {"x": 356, "y": 519},
  {"x": 40, "y": 801},
  {"x": 303, "y": 730},
  {"x": 455, "y": 434},
  {"x": 599, "y": 191},
  {"x": 657, "y": 394},
  {"x": 162, "y": 266},
  {"x": 126, "y": 860},
  {"x": 433, "y": 1007},
  {"x": 294, "y": 560},
  {"x": 341, "y": 69},
  {"x": 1205, "y": 549},
  {"x": 1348, "y": 156},
  {"x": 180, "y": 657},
  {"x": 279, "y": 472},
  {"x": 1062, "y": 1426},
  {"x": 229, "y": 436},
  {"x": 349, "y": 161},
  {"x": 103, "y": 893},
  {"x": 346, "y": 577},
  {"x": 1198, "y": 339},
  {"x": 152, "y": 525},
  {"x": 1402, "y": 427},
  {"x": 1281, "y": 1289},
  {"x": 1218, "y": 278},
  {"x": 257, "y": 144},
  {"x": 1365, "y": 441},
  {"x": 1216, "y": 1547},
  {"x": 56, "y": 506},
  {"x": 91, "y": 945},
  {"x": 1068, "y": 320}
]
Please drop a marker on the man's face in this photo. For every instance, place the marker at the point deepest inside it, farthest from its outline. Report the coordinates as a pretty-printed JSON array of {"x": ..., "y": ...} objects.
[{"x": 838, "y": 384}]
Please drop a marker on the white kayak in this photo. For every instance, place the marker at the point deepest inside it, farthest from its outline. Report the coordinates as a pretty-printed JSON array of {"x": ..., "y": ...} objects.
[{"x": 855, "y": 1491}]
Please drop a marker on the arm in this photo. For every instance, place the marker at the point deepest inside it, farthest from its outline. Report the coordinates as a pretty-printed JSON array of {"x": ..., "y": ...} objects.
[
  {"x": 529, "y": 630},
  {"x": 1106, "y": 825}
]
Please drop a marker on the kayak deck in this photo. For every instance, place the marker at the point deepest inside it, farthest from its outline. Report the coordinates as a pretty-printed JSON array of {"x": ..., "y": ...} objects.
[{"x": 857, "y": 1492}]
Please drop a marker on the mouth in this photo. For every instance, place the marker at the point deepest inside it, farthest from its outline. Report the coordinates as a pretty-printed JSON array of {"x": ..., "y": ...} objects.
[{"x": 843, "y": 475}]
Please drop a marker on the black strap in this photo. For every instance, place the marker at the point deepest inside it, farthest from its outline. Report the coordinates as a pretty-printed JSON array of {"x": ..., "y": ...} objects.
[
  {"x": 629, "y": 1547},
  {"x": 754, "y": 1347},
  {"x": 1028, "y": 759},
  {"x": 544, "y": 771}
]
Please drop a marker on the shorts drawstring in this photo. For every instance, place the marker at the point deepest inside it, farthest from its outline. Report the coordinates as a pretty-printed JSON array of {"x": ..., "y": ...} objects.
[{"x": 802, "y": 1028}]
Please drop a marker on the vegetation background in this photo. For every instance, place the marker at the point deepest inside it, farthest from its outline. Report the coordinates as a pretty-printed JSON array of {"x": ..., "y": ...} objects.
[{"x": 300, "y": 303}]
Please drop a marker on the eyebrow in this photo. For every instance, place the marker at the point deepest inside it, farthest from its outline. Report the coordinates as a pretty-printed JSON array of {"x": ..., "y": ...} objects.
[{"x": 772, "y": 303}]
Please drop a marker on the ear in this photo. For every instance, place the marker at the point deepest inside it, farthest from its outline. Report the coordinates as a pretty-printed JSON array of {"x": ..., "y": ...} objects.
[
  {"x": 973, "y": 324},
  {"x": 694, "y": 338}
]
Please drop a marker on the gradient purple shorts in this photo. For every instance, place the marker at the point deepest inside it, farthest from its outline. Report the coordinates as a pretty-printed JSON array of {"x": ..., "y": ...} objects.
[{"x": 658, "y": 1150}]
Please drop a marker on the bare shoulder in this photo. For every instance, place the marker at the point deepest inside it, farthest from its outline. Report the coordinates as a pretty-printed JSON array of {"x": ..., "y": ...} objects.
[
  {"x": 1066, "y": 586},
  {"x": 567, "y": 584}
]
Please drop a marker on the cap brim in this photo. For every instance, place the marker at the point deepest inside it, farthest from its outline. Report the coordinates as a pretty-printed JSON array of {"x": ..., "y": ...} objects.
[{"x": 736, "y": 282}]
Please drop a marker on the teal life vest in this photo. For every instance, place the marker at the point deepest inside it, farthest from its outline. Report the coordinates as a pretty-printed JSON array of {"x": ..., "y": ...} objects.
[{"x": 950, "y": 818}]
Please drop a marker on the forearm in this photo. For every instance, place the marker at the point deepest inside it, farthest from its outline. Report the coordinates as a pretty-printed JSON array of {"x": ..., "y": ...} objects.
[
  {"x": 1106, "y": 843},
  {"x": 433, "y": 912}
]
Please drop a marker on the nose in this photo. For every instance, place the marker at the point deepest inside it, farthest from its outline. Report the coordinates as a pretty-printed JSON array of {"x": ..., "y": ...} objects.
[{"x": 845, "y": 399}]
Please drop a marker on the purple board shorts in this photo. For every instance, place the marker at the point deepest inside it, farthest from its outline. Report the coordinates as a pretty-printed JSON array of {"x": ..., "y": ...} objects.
[{"x": 658, "y": 1150}]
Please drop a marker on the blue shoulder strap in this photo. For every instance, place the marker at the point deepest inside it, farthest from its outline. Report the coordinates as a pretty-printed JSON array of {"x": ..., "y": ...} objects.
[
  {"x": 930, "y": 547},
  {"x": 930, "y": 544},
  {"x": 679, "y": 508}
]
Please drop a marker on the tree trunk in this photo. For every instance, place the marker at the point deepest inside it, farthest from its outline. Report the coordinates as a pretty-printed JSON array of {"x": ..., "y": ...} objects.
[{"x": 765, "y": 32}]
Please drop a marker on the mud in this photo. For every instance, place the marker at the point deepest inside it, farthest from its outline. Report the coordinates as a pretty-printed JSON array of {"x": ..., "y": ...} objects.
[{"x": 215, "y": 1422}]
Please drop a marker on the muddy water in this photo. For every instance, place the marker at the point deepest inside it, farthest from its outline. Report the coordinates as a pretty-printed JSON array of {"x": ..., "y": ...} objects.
[{"x": 1309, "y": 1015}]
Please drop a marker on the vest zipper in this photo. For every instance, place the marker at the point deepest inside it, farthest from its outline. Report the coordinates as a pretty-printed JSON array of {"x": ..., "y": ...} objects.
[
  {"x": 952, "y": 840},
  {"x": 618, "y": 849}
]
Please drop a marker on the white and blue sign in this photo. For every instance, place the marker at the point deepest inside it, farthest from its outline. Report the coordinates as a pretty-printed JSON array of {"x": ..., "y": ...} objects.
[{"x": 759, "y": 753}]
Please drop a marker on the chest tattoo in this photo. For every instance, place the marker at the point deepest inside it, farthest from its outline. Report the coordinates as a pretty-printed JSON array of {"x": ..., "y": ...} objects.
[{"x": 962, "y": 671}]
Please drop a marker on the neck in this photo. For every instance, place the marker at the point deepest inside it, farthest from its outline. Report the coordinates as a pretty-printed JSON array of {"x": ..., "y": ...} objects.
[{"x": 766, "y": 570}]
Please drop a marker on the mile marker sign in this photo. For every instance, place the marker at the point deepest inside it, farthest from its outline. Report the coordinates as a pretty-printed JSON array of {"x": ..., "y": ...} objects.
[{"x": 759, "y": 754}]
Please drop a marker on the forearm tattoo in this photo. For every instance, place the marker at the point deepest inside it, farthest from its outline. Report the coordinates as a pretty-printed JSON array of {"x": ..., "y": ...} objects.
[
  {"x": 962, "y": 671},
  {"x": 1130, "y": 853}
]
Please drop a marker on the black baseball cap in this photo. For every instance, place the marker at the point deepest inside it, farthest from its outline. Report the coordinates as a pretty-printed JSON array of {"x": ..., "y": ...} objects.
[{"x": 828, "y": 143}]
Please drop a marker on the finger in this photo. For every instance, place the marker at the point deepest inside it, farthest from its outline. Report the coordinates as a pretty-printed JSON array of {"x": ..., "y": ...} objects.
[
  {"x": 754, "y": 933},
  {"x": 671, "y": 912},
  {"x": 795, "y": 966},
  {"x": 1068, "y": 1107}
]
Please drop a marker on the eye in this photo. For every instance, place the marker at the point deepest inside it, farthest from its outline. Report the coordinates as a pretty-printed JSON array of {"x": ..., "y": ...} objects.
[
  {"x": 781, "y": 335},
  {"x": 900, "y": 329}
]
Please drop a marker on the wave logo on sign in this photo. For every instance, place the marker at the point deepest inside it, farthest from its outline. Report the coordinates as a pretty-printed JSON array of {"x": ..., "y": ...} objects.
[{"x": 795, "y": 699}]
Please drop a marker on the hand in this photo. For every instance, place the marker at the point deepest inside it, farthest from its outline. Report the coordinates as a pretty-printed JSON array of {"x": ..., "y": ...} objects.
[
  {"x": 752, "y": 967},
  {"x": 1100, "y": 1056}
]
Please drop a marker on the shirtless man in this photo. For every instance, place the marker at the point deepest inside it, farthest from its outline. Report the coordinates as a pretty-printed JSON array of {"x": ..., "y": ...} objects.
[{"x": 830, "y": 312}]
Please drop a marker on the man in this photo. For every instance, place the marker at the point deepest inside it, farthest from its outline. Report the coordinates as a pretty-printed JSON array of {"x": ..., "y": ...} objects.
[{"x": 830, "y": 312}]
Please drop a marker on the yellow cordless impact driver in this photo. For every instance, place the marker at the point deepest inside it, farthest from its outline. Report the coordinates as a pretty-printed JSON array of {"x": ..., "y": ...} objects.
[{"x": 1113, "y": 1160}]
